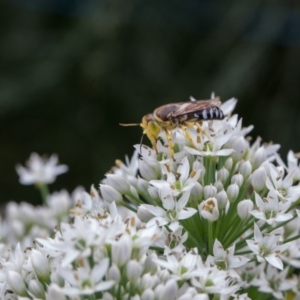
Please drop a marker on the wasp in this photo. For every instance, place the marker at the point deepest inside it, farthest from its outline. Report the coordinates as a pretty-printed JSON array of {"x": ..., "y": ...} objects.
[{"x": 179, "y": 115}]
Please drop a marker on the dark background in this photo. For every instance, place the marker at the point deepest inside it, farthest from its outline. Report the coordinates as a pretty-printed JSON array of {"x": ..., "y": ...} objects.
[{"x": 72, "y": 70}]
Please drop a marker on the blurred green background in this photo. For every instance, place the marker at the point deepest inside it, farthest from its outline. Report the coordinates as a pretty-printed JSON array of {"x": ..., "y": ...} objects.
[{"x": 71, "y": 71}]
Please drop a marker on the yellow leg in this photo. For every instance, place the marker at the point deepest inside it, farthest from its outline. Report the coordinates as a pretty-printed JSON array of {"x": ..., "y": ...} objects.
[
  {"x": 188, "y": 136},
  {"x": 152, "y": 139},
  {"x": 199, "y": 129},
  {"x": 170, "y": 143}
]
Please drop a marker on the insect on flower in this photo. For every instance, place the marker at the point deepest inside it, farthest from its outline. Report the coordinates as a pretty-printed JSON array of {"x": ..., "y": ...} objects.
[{"x": 179, "y": 115}]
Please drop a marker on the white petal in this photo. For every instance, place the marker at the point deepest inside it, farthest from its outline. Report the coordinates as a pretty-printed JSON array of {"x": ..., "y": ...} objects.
[
  {"x": 183, "y": 199},
  {"x": 155, "y": 210},
  {"x": 275, "y": 261},
  {"x": 228, "y": 106},
  {"x": 186, "y": 213},
  {"x": 184, "y": 169}
]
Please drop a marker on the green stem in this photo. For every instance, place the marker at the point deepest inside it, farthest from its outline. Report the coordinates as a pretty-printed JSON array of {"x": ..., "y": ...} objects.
[
  {"x": 44, "y": 190},
  {"x": 128, "y": 206},
  {"x": 210, "y": 237},
  {"x": 292, "y": 239}
]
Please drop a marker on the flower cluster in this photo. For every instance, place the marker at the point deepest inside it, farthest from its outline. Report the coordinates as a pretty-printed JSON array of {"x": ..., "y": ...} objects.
[{"x": 218, "y": 220}]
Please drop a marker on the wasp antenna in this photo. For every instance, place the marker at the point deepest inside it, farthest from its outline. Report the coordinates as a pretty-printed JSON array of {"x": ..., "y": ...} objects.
[{"x": 131, "y": 124}]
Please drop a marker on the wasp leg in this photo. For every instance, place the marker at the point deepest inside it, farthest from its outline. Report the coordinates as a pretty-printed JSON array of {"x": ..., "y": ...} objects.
[
  {"x": 199, "y": 129},
  {"x": 188, "y": 136},
  {"x": 170, "y": 143},
  {"x": 152, "y": 139}
]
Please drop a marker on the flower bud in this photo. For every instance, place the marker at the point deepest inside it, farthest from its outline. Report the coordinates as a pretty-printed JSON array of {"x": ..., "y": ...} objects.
[
  {"x": 57, "y": 279},
  {"x": 54, "y": 292},
  {"x": 228, "y": 163},
  {"x": 258, "y": 179},
  {"x": 219, "y": 186},
  {"x": 197, "y": 165},
  {"x": 209, "y": 191},
  {"x": 233, "y": 192},
  {"x": 106, "y": 296},
  {"x": 142, "y": 185},
  {"x": 133, "y": 192},
  {"x": 148, "y": 281},
  {"x": 196, "y": 192},
  {"x": 40, "y": 265},
  {"x": 259, "y": 157},
  {"x": 150, "y": 266},
  {"x": 153, "y": 192},
  {"x": 244, "y": 208},
  {"x": 148, "y": 294},
  {"x": 114, "y": 273},
  {"x": 245, "y": 168},
  {"x": 170, "y": 290},
  {"x": 16, "y": 283},
  {"x": 209, "y": 210},
  {"x": 147, "y": 172},
  {"x": 240, "y": 146},
  {"x": 110, "y": 194},
  {"x": 223, "y": 175},
  {"x": 222, "y": 199},
  {"x": 36, "y": 289},
  {"x": 238, "y": 179},
  {"x": 121, "y": 250},
  {"x": 144, "y": 214},
  {"x": 118, "y": 183},
  {"x": 133, "y": 270}
]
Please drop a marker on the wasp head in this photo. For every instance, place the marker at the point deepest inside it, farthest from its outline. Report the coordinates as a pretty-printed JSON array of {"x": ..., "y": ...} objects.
[{"x": 151, "y": 129}]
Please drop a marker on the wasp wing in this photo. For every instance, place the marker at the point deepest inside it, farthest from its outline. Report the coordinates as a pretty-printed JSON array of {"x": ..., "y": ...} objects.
[{"x": 193, "y": 106}]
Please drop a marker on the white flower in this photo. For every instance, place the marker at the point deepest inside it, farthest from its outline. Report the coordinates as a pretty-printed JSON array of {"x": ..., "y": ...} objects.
[
  {"x": 270, "y": 209},
  {"x": 179, "y": 182},
  {"x": 283, "y": 187},
  {"x": 78, "y": 239},
  {"x": 292, "y": 164},
  {"x": 268, "y": 247},
  {"x": 210, "y": 279},
  {"x": 84, "y": 280},
  {"x": 172, "y": 241},
  {"x": 274, "y": 282},
  {"x": 181, "y": 268},
  {"x": 173, "y": 210},
  {"x": 209, "y": 210},
  {"x": 292, "y": 255},
  {"x": 225, "y": 259},
  {"x": 40, "y": 170},
  {"x": 210, "y": 151}
]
